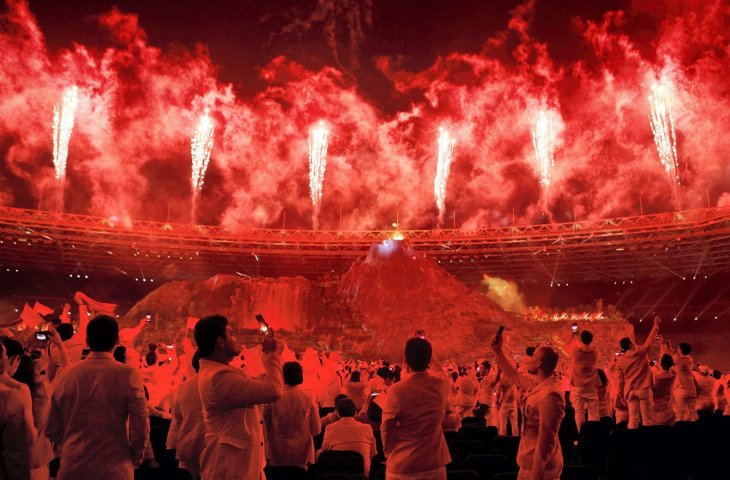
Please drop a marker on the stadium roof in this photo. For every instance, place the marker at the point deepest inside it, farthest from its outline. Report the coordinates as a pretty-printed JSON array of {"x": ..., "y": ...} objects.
[{"x": 679, "y": 244}]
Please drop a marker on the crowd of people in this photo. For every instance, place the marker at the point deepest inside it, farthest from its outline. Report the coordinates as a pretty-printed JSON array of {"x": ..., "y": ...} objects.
[{"x": 76, "y": 402}]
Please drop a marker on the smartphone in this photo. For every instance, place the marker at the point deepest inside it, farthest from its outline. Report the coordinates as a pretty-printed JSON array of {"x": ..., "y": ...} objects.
[
  {"x": 574, "y": 327},
  {"x": 149, "y": 316},
  {"x": 43, "y": 336},
  {"x": 263, "y": 326},
  {"x": 500, "y": 330},
  {"x": 421, "y": 333}
]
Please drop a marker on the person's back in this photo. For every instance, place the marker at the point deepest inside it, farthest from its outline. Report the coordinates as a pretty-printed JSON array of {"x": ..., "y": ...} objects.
[
  {"x": 291, "y": 422},
  {"x": 705, "y": 387},
  {"x": 467, "y": 391},
  {"x": 636, "y": 372},
  {"x": 92, "y": 402},
  {"x": 187, "y": 430},
  {"x": 686, "y": 389},
  {"x": 14, "y": 442},
  {"x": 662, "y": 407},
  {"x": 413, "y": 441},
  {"x": 683, "y": 365},
  {"x": 349, "y": 434}
]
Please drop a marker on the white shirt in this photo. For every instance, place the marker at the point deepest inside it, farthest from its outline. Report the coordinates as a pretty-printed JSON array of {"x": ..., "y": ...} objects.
[
  {"x": 349, "y": 434},
  {"x": 234, "y": 433},
  {"x": 92, "y": 402}
]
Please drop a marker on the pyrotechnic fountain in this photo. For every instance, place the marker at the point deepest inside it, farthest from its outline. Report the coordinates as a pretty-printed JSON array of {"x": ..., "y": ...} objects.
[
  {"x": 318, "y": 137},
  {"x": 200, "y": 148},
  {"x": 445, "y": 154},
  {"x": 64, "y": 114},
  {"x": 661, "y": 121},
  {"x": 543, "y": 140}
]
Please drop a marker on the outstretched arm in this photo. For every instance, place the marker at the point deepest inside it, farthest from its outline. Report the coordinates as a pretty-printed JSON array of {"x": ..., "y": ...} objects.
[{"x": 652, "y": 334}]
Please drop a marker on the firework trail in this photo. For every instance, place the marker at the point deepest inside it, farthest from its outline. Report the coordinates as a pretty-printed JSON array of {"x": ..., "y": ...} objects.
[
  {"x": 543, "y": 139},
  {"x": 661, "y": 121},
  {"x": 64, "y": 114},
  {"x": 445, "y": 155},
  {"x": 317, "y": 165},
  {"x": 200, "y": 146}
]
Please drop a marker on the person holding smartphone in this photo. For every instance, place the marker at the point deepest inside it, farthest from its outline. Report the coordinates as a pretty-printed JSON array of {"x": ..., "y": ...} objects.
[
  {"x": 234, "y": 430},
  {"x": 543, "y": 406}
]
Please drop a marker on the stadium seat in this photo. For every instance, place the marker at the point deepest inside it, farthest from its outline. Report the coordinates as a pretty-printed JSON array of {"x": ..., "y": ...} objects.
[
  {"x": 339, "y": 461},
  {"x": 593, "y": 442},
  {"x": 474, "y": 421},
  {"x": 486, "y": 465},
  {"x": 507, "y": 446},
  {"x": 462, "y": 448},
  {"x": 285, "y": 473},
  {"x": 483, "y": 434},
  {"x": 451, "y": 436},
  {"x": 578, "y": 472},
  {"x": 462, "y": 475}
]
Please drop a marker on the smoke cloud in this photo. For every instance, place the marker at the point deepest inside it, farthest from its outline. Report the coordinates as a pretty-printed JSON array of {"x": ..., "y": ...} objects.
[{"x": 139, "y": 105}]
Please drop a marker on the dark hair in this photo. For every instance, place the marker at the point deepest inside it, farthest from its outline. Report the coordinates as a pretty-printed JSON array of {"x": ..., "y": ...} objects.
[
  {"x": 625, "y": 343},
  {"x": 150, "y": 358},
  {"x": 586, "y": 337},
  {"x": 152, "y": 346},
  {"x": 717, "y": 374},
  {"x": 24, "y": 373},
  {"x": 418, "y": 354},
  {"x": 385, "y": 373},
  {"x": 13, "y": 348},
  {"x": 355, "y": 377},
  {"x": 120, "y": 354},
  {"x": 196, "y": 361},
  {"x": 345, "y": 407},
  {"x": 685, "y": 348},
  {"x": 339, "y": 397},
  {"x": 293, "y": 374},
  {"x": 549, "y": 359},
  {"x": 454, "y": 376},
  {"x": 530, "y": 351},
  {"x": 486, "y": 365},
  {"x": 207, "y": 332},
  {"x": 102, "y": 333},
  {"x": 65, "y": 331},
  {"x": 666, "y": 361},
  {"x": 602, "y": 375}
]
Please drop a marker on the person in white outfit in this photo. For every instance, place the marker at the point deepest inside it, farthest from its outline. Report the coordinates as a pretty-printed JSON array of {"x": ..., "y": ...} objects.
[{"x": 234, "y": 432}]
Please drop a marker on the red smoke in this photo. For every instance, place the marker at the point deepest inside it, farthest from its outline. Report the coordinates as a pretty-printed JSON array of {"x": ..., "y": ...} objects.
[{"x": 129, "y": 152}]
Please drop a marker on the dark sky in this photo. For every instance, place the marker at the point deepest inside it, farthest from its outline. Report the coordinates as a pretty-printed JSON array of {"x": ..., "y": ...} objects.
[{"x": 244, "y": 35}]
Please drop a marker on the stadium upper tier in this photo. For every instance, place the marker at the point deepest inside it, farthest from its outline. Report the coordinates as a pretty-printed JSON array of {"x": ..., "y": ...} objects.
[{"x": 681, "y": 244}]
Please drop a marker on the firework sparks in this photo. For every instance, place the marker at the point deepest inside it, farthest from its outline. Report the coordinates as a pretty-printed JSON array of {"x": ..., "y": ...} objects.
[
  {"x": 543, "y": 139},
  {"x": 445, "y": 155},
  {"x": 64, "y": 114},
  {"x": 200, "y": 148},
  {"x": 317, "y": 165},
  {"x": 661, "y": 121}
]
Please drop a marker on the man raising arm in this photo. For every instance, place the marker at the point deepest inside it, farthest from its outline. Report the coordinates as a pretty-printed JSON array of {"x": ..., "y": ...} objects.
[{"x": 539, "y": 456}]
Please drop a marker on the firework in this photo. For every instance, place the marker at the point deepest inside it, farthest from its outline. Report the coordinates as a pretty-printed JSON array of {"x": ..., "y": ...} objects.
[
  {"x": 543, "y": 139},
  {"x": 445, "y": 155},
  {"x": 317, "y": 165},
  {"x": 64, "y": 114},
  {"x": 200, "y": 147},
  {"x": 661, "y": 121}
]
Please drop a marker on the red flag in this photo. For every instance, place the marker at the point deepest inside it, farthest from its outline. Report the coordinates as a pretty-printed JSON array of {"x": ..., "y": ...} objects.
[
  {"x": 65, "y": 317},
  {"x": 30, "y": 317},
  {"x": 191, "y": 322},
  {"x": 41, "y": 309}
]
